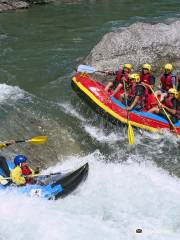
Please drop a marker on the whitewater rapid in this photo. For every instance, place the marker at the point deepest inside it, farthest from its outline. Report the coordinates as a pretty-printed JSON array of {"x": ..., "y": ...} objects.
[
  {"x": 10, "y": 93},
  {"x": 112, "y": 203},
  {"x": 127, "y": 187}
]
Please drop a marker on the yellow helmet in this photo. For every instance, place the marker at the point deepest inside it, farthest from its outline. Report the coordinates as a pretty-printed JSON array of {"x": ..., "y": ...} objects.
[
  {"x": 135, "y": 77},
  {"x": 128, "y": 65},
  {"x": 168, "y": 67},
  {"x": 173, "y": 91},
  {"x": 147, "y": 66}
]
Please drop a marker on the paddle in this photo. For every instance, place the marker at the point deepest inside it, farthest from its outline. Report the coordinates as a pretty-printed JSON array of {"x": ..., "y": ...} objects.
[
  {"x": 87, "y": 69},
  {"x": 32, "y": 176},
  {"x": 131, "y": 137},
  {"x": 170, "y": 121},
  {"x": 34, "y": 140}
]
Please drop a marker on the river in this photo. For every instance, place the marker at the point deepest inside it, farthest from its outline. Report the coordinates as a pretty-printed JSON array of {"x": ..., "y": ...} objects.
[{"x": 128, "y": 187}]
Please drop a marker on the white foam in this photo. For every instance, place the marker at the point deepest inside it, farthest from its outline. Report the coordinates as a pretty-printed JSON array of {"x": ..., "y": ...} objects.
[
  {"x": 68, "y": 108},
  {"x": 114, "y": 201},
  {"x": 99, "y": 134},
  {"x": 10, "y": 93}
]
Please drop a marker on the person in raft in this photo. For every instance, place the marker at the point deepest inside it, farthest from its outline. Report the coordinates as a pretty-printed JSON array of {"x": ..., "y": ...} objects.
[
  {"x": 167, "y": 81},
  {"x": 146, "y": 76},
  {"x": 121, "y": 75},
  {"x": 137, "y": 97},
  {"x": 171, "y": 105},
  {"x": 21, "y": 174}
]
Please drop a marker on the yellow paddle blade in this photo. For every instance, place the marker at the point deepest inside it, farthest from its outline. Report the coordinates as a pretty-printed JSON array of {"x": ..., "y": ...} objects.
[
  {"x": 131, "y": 137},
  {"x": 38, "y": 140},
  {"x": 2, "y": 145}
]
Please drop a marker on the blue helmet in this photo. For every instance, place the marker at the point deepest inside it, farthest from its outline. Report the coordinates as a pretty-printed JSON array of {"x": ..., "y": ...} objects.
[{"x": 19, "y": 159}]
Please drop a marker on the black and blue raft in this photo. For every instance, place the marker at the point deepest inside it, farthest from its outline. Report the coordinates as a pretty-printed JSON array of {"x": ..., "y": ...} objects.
[{"x": 52, "y": 186}]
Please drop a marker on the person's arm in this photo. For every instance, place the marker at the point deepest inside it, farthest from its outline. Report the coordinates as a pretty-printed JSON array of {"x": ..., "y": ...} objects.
[
  {"x": 171, "y": 110},
  {"x": 174, "y": 80},
  {"x": 120, "y": 85},
  {"x": 134, "y": 103},
  {"x": 159, "y": 83},
  {"x": 139, "y": 92},
  {"x": 7, "y": 143}
]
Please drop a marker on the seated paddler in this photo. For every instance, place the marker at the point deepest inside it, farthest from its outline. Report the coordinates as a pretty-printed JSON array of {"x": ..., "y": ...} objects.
[
  {"x": 122, "y": 75},
  {"x": 170, "y": 104},
  {"x": 146, "y": 76},
  {"x": 138, "y": 94},
  {"x": 22, "y": 173}
]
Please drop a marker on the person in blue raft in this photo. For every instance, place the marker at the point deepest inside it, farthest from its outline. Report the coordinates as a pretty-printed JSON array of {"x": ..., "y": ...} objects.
[{"x": 21, "y": 174}]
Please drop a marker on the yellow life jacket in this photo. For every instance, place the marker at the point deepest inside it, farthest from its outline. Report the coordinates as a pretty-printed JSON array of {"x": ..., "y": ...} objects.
[{"x": 17, "y": 177}]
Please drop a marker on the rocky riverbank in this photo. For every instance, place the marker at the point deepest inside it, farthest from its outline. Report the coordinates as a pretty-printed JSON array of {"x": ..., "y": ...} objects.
[
  {"x": 7, "y": 5},
  {"x": 140, "y": 43}
]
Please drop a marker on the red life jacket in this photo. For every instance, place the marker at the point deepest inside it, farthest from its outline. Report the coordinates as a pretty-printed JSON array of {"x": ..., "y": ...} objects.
[
  {"x": 120, "y": 73},
  {"x": 166, "y": 81},
  {"x": 27, "y": 171},
  {"x": 145, "y": 78},
  {"x": 152, "y": 101},
  {"x": 143, "y": 100},
  {"x": 168, "y": 101}
]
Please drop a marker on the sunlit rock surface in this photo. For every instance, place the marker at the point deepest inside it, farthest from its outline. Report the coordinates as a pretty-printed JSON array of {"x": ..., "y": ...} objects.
[{"x": 140, "y": 43}]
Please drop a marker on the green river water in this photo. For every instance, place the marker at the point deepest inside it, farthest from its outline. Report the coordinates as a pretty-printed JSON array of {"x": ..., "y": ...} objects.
[{"x": 39, "y": 49}]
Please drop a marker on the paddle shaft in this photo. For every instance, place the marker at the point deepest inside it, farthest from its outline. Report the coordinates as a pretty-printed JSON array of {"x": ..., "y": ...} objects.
[
  {"x": 125, "y": 96},
  {"x": 34, "y": 140},
  {"x": 35, "y": 175}
]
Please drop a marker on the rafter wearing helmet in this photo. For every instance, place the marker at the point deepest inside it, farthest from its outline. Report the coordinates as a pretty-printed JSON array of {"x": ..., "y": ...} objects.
[{"x": 121, "y": 75}]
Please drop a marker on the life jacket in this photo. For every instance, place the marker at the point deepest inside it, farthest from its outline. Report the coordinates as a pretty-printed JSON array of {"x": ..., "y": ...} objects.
[
  {"x": 168, "y": 103},
  {"x": 145, "y": 78},
  {"x": 152, "y": 101},
  {"x": 27, "y": 171},
  {"x": 166, "y": 81},
  {"x": 120, "y": 73},
  {"x": 143, "y": 100}
]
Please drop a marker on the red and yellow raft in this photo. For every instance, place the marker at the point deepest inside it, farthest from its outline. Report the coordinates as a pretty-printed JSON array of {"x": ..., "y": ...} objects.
[{"x": 93, "y": 92}]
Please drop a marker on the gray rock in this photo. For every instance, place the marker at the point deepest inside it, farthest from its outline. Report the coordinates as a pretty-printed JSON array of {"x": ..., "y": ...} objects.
[
  {"x": 6, "y": 5},
  {"x": 19, "y": 4},
  {"x": 140, "y": 43}
]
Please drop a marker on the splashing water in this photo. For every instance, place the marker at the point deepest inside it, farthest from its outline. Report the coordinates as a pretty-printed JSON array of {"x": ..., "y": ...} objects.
[
  {"x": 114, "y": 201},
  {"x": 10, "y": 93}
]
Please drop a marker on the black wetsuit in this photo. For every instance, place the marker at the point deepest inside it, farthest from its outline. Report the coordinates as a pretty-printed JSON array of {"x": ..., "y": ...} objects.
[{"x": 4, "y": 166}]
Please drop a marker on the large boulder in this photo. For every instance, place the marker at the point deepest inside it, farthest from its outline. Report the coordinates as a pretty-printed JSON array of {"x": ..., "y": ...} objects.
[
  {"x": 6, "y": 5},
  {"x": 140, "y": 43}
]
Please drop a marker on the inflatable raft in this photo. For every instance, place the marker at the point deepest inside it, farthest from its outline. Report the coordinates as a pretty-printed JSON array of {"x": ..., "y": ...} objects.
[
  {"x": 52, "y": 186},
  {"x": 109, "y": 107}
]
